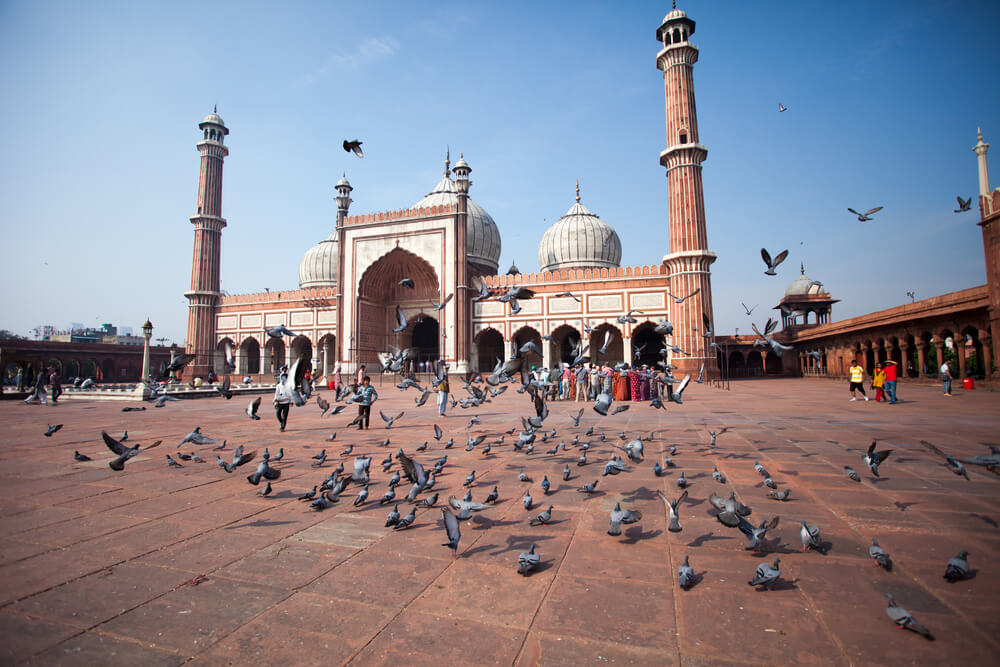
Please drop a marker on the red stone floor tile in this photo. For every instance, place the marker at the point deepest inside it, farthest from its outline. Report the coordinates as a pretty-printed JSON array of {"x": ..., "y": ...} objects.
[
  {"x": 90, "y": 649},
  {"x": 571, "y": 650},
  {"x": 288, "y": 564},
  {"x": 259, "y": 643},
  {"x": 370, "y": 579},
  {"x": 24, "y": 637},
  {"x": 422, "y": 639},
  {"x": 99, "y": 597},
  {"x": 36, "y": 574},
  {"x": 209, "y": 551},
  {"x": 193, "y": 617}
]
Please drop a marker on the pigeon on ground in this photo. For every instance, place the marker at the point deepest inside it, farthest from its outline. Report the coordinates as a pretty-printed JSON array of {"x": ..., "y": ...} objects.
[
  {"x": 769, "y": 483},
  {"x": 124, "y": 453},
  {"x": 527, "y": 500},
  {"x": 451, "y": 527},
  {"x": 675, "y": 524},
  {"x": 866, "y": 216},
  {"x": 682, "y": 481},
  {"x": 407, "y": 520},
  {"x": 810, "y": 537},
  {"x": 52, "y": 429},
  {"x": 493, "y": 495},
  {"x": 354, "y": 147},
  {"x": 718, "y": 476},
  {"x": 266, "y": 491},
  {"x": 879, "y": 555},
  {"x": 528, "y": 561},
  {"x": 523, "y": 477},
  {"x": 239, "y": 458},
  {"x": 542, "y": 518},
  {"x": 780, "y": 495},
  {"x": 429, "y": 501},
  {"x": 772, "y": 264},
  {"x": 172, "y": 463},
  {"x": 80, "y": 457},
  {"x": 546, "y": 485},
  {"x": 958, "y": 567},
  {"x": 309, "y": 495},
  {"x": 685, "y": 574},
  {"x": 904, "y": 619},
  {"x": 766, "y": 575},
  {"x": 470, "y": 479},
  {"x": 852, "y": 473},
  {"x": 264, "y": 471},
  {"x": 620, "y": 516}
]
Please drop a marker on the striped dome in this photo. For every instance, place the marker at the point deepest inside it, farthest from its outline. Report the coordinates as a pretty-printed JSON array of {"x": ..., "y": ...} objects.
[
  {"x": 321, "y": 264},
  {"x": 482, "y": 238},
  {"x": 579, "y": 239}
]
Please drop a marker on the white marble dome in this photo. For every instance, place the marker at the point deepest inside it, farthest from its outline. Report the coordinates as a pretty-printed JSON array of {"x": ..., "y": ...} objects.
[
  {"x": 579, "y": 239},
  {"x": 482, "y": 238},
  {"x": 804, "y": 286},
  {"x": 320, "y": 265}
]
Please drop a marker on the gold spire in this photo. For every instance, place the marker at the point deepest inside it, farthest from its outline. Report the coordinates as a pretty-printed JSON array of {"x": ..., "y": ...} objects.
[{"x": 578, "y": 191}]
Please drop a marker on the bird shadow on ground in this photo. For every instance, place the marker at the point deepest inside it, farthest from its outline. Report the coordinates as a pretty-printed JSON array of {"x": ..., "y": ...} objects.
[
  {"x": 636, "y": 534},
  {"x": 768, "y": 547},
  {"x": 259, "y": 524},
  {"x": 985, "y": 519},
  {"x": 905, "y": 506},
  {"x": 784, "y": 585},
  {"x": 707, "y": 537},
  {"x": 486, "y": 522},
  {"x": 737, "y": 456},
  {"x": 793, "y": 473},
  {"x": 694, "y": 502},
  {"x": 515, "y": 542},
  {"x": 642, "y": 493},
  {"x": 285, "y": 494}
]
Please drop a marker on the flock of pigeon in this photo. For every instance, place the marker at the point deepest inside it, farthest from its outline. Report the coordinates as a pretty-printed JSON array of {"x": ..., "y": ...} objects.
[{"x": 620, "y": 455}]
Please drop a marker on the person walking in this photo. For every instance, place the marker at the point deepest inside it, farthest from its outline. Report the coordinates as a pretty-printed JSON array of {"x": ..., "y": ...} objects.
[
  {"x": 365, "y": 396},
  {"x": 857, "y": 379},
  {"x": 891, "y": 369},
  {"x": 38, "y": 393},
  {"x": 595, "y": 381},
  {"x": 946, "y": 378},
  {"x": 582, "y": 382},
  {"x": 443, "y": 389},
  {"x": 338, "y": 381},
  {"x": 359, "y": 379},
  {"x": 282, "y": 400},
  {"x": 564, "y": 384},
  {"x": 54, "y": 385},
  {"x": 878, "y": 382}
]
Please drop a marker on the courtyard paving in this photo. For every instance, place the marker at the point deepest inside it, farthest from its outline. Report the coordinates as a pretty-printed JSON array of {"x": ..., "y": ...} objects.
[{"x": 157, "y": 565}]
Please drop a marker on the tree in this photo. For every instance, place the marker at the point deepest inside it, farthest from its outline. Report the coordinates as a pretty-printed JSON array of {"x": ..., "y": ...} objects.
[{"x": 10, "y": 335}]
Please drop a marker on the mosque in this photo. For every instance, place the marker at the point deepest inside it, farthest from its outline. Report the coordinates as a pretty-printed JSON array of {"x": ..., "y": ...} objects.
[{"x": 343, "y": 312}]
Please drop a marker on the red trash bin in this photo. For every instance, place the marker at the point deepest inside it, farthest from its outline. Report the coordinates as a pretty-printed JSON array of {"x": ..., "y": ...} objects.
[
  {"x": 967, "y": 383},
  {"x": 329, "y": 385}
]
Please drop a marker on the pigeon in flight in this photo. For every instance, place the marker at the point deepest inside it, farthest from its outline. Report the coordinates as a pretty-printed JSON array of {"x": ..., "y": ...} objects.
[
  {"x": 124, "y": 453},
  {"x": 963, "y": 205},
  {"x": 252, "y": 408},
  {"x": 866, "y": 216},
  {"x": 353, "y": 147},
  {"x": 748, "y": 310},
  {"x": 515, "y": 293},
  {"x": 904, "y": 619},
  {"x": 874, "y": 459},
  {"x": 782, "y": 108},
  {"x": 224, "y": 388},
  {"x": 665, "y": 328},
  {"x": 620, "y": 516},
  {"x": 451, "y": 526},
  {"x": 675, "y": 524},
  {"x": 400, "y": 320},
  {"x": 627, "y": 317},
  {"x": 484, "y": 293},
  {"x": 439, "y": 306},
  {"x": 52, "y": 429},
  {"x": 389, "y": 420},
  {"x": 196, "y": 438},
  {"x": 279, "y": 331},
  {"x": 571, "y": 295},
  {"x": 772, "y": 264},
  {"x": 682, "y": 299}
]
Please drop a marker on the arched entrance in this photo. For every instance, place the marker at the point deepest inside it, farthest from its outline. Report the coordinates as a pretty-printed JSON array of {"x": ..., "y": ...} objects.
[
  {"x": 426, "y": 338},
  {"x": 755, "y": 364},
  {"x": 489, "y": 346},
  {"x": 773, "y": 363},
  {"x": 564, "y": 340},
  {"x": 613, "y": 354},
  {"x": 379, "y": 293},
  {"x": 301, "y": 351},
  {"x": 220, "y": 356},
  {"x": 645, "y": 336},
  {"x": 249, "y": 363},
  {"x": 522, "y": 336},
  {"x": 274, "y": 355}
]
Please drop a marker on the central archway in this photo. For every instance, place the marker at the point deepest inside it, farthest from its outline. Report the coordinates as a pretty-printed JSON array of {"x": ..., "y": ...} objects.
[
  {"x": 379, "y": 292},
  {"x": 425, "y": 338}
]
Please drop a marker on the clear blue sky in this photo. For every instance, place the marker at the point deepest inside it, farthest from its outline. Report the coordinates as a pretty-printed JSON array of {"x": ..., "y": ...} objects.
[{"x": 102, "y": 101}]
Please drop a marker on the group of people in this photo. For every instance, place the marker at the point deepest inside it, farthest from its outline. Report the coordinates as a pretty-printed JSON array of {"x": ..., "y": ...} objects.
[
  {"x": 583, "y": 382},
  {"x": 883, "y": 381},
  {"x": 37, "y": 395},
  {"x": 364, "y": 395}
]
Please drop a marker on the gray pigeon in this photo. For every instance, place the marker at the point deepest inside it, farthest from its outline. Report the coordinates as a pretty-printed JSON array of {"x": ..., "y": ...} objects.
[
  {"x": 675, "y": 524},
  {"x": 780, "y": 495},
  {"x": 810, "y": 537},
  {"x": 543, "y": 517},
  {"x": 195, "y": 437},
  {"x": 772, "y": 264},
  {"x": 528, "y": 561},
  {"x": 406, "y": 521},
  {"x": 620, "y": 516},
  {"x": 766, "y": 575},
  {"x": 279, "y": 331},
  {"x": 685, "y": 574},
  {"x": 852, "y": 473},
  {"x": 362, "y": 496},
  {"x": 958, "y": 567},
  {"x": 393, "y": 517},
  {"x": 879, "y": 555},
  {"x": 527, "y": 500},
  {"x": 904, "y": 619},
  {"x": 451, "y": 526}
]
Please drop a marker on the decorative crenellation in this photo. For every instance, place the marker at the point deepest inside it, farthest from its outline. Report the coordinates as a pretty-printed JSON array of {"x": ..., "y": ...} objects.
[
  {"x": 283, "y": 296},
  {"x": 550, "y": 277},
  {"x": 400, "y": 214}
]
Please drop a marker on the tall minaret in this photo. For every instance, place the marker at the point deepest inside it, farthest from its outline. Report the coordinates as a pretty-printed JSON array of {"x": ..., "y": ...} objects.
[
  {"x": 984, "y": 174},
  {"x": 203, "y": 297},
  {"x": 689, "y": 259}
]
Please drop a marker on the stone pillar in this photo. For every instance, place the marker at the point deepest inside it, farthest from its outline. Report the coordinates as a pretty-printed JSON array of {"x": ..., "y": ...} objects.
[
  {"x": 261, "y": 370},
  {"x": 939, "y": 345},
  {"x": 960, "y": 351},
  {"x": 921, "y": 358},
  {"x": 546, "y": 354},
  {"x": 904, "y": 359},
  {"x": 627, "y": 351},
  {"x": 987, "y": 357}
]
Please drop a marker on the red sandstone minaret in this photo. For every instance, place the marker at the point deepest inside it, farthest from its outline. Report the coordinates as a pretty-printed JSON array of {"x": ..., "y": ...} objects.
[
  {"x": 689, "y": 259},
  {"x": 203, "y": 297}
]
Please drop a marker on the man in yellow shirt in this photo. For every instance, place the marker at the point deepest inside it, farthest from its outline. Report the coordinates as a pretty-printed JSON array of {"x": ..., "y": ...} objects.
[{"x": 857, "y": 379}]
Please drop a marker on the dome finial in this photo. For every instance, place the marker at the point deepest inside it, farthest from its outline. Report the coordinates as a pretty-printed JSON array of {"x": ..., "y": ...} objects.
[
  {"x": 802, "y": 268},
  {"x": 578, "y": 191},
  {"x": 215, "y": 108},
  {"x": 447, "y": 161},
  {"x": 979, "y": 133}
]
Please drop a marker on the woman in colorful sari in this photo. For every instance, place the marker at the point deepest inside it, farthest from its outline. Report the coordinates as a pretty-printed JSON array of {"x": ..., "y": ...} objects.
[
  {"x": 621, "y": 386},
  {"x": 644, "y": 384},
  {"x": 634, "y": 384}
]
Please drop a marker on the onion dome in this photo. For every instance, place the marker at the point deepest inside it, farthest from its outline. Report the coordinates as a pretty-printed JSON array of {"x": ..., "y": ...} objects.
[
  {"x": 320, "y": 265},
  {"x": 214, "y": 119},
  {"x": 579, "y": 239},
  {"x": 804, "y": 285},
  {"x": 482, "y": 238}
]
